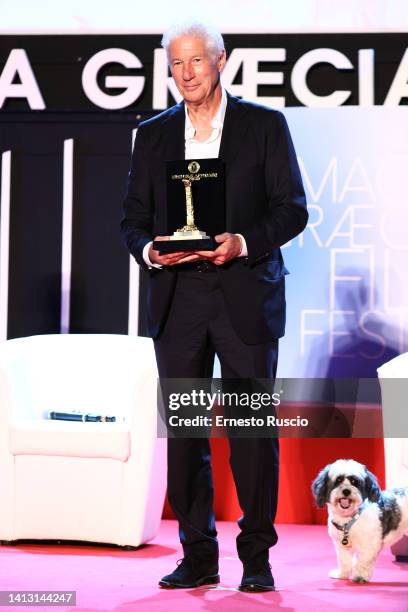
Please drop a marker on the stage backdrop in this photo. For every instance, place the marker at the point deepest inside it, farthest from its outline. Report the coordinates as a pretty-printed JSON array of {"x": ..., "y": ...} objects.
[
  {"x": 348, "y": 294},
  {"x": 69, "y": 107}
]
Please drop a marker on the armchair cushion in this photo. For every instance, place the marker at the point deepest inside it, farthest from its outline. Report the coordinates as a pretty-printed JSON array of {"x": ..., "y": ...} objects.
[{"x": 69, "y": 439}]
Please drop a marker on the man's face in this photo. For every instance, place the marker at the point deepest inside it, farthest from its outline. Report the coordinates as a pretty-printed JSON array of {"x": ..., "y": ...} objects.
[{"x": 195, "y": 71}]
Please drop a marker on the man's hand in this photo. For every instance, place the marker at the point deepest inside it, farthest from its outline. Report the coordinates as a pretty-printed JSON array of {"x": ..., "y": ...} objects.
[
  {"x": 230, "y": 248},
  {"x": 170, "y": 259}
]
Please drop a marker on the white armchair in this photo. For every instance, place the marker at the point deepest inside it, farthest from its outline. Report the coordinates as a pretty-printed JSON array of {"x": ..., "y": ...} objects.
[
  {"x": 87, "y": 481},
  {"x": 394, "y": 404}
]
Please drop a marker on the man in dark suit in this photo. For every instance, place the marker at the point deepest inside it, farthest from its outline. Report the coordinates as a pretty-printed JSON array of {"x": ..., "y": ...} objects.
[{"x": 229, "y": 302}]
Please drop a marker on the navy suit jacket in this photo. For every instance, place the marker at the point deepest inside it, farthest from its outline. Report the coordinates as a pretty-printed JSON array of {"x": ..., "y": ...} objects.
[{"x": 265, "y": 202}]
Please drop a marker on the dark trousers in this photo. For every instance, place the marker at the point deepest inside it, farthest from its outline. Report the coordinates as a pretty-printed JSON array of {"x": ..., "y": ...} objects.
[{"x": 197, "y": 327}]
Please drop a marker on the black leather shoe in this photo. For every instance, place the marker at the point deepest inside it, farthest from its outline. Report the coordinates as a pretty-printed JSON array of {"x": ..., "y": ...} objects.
[
  {"x": 191, "y": 572},
  {"x": 257, "y": 577}
]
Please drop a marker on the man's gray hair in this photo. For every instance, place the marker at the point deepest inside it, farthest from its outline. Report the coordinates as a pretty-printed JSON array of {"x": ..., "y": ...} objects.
[{"x": 211, "y": 36}]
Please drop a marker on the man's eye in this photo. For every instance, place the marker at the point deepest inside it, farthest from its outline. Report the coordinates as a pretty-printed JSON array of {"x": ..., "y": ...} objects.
[
  {"x": 176, "y": 64},
  {"x": 197, "y": 60}
]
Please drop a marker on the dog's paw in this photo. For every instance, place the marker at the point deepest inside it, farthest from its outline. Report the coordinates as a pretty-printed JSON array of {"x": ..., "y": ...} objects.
[
  {"x": 360, "y": 579},
  {"x": 337, "y": 573}
]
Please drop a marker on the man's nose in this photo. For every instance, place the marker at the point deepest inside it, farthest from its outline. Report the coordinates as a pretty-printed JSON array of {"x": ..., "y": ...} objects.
[{"x": 187, "y": 72}]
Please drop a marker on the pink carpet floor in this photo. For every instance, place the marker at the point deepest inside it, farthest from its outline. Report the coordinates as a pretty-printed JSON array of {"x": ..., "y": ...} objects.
[{"x": 111, "y": 579}]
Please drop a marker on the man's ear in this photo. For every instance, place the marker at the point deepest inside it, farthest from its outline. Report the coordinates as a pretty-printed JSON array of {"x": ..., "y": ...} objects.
[{"x": 222, "y": 58}]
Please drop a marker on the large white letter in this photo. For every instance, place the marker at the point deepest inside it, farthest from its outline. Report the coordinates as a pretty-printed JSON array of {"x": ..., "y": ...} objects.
[
  {"x": 162, "y": 83},
  {"x": 302, "y": 67},
  {"x": 331, "y": 169},
  {"x": 133, "y": 84},
  {"x": 304, "y": 331},
  {"x": 251, "y": 77},
  {"x": 360, "y": 277},
  {"x": 18, "y": 64},
  {"x": 399, "y": 86},
  {"x": 362, "y": 185},
  {"x": 366, "y": 77}
]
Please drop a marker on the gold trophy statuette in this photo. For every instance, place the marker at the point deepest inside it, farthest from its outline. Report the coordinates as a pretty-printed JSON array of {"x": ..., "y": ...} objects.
[
  {"x": 189, "y": 237},
  {"x": 189, "y": 231}
]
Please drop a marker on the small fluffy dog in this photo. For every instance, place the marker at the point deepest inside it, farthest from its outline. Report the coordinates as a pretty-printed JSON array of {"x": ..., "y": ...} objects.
[{"x": 362, "y": 518}]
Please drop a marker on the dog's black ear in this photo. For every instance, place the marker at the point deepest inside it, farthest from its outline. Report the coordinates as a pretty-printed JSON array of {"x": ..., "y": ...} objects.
[
  {"x": 372, "y": 488},
  {"x": 320, "y": 487}
]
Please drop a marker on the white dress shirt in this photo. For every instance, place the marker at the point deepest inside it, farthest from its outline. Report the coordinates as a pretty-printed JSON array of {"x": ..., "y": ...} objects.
[
  {"x": 210, "y": 148},
  {"x": 195, "y": 149}
]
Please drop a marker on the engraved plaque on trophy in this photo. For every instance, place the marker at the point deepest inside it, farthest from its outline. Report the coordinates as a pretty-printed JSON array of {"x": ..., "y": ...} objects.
[{"x": 195, "y": 205}]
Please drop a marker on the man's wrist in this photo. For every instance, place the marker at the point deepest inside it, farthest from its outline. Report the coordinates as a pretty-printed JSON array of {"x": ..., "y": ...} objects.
[
  {"x": 146, "y": 257},
  {"x": 244, "y": 250}
]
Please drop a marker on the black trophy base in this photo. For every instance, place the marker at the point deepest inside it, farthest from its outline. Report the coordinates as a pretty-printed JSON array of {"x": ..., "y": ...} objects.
[{"x": 195, "y": 244}]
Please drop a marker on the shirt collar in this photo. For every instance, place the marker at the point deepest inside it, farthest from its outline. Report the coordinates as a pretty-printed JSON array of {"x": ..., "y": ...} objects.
[{"x": 216, "y": 122}]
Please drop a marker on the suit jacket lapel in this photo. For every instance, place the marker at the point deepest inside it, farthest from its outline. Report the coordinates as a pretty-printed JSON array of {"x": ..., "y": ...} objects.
[
  {"x": 233, "y": 137},
  {"x": 174, "y": 142},
  {"x": 233, "y": 131}
]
